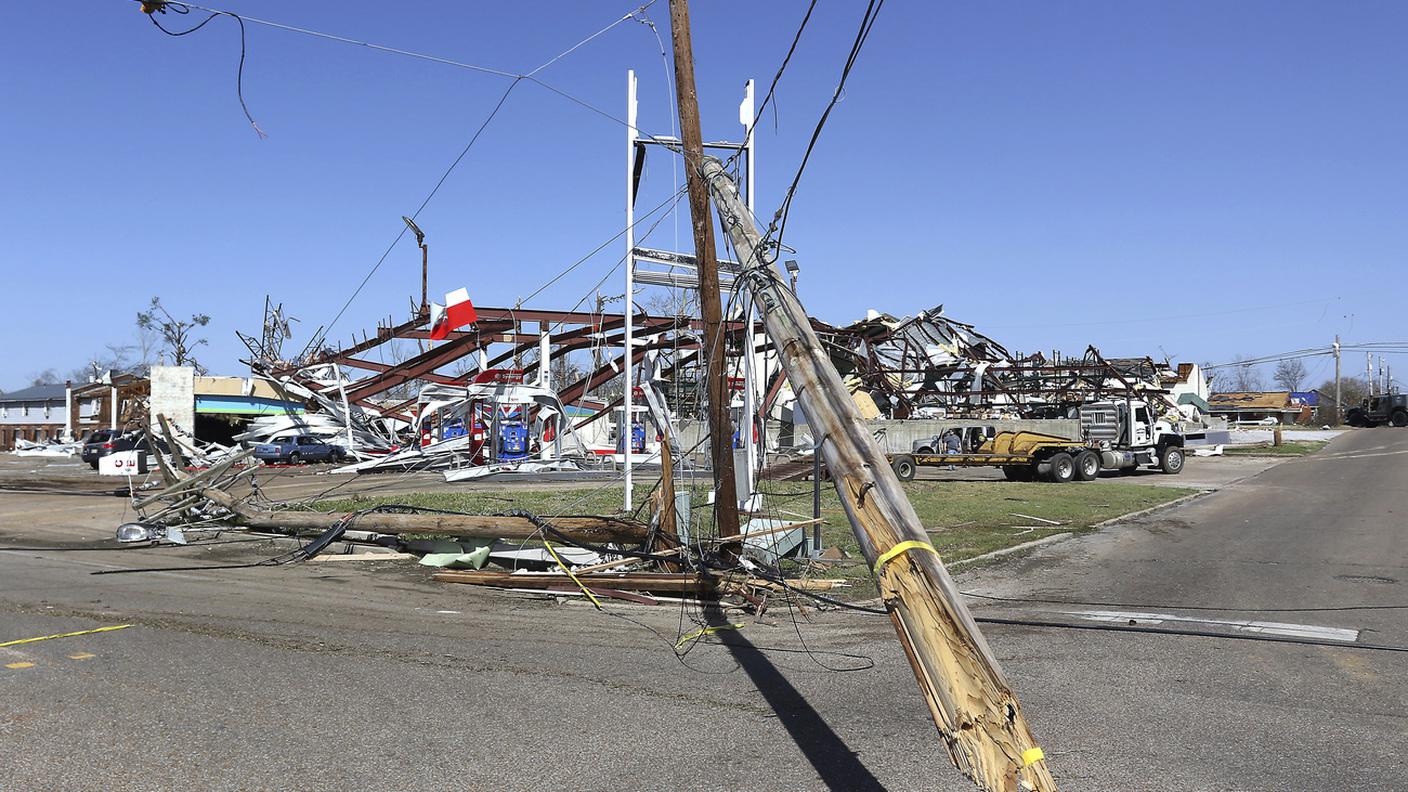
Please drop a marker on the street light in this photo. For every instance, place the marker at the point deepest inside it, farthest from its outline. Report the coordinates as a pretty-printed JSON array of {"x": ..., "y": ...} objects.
[
  {"x": 424, "y": 265},
  {"x": 792, "y": 269},
  {"x": 411, "y": 224}
]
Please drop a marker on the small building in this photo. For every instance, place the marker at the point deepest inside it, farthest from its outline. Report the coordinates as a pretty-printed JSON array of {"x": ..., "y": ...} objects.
[
  {"x": 37, "y": 413},
  {"x": 1250, "y": 407},
  {"x": 58, "y": 412}
]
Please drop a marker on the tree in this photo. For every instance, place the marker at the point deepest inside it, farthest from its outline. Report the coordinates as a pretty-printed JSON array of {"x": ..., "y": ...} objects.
[
  {"x": 1290, "y": 374},
  {"x": 114, "y": 358},
  {"x": 1239, "y": 378},
  {"x": 176, "y": 335},
  {"x": 1353, "y": 391},
  {"x": 45, "y": 377}
]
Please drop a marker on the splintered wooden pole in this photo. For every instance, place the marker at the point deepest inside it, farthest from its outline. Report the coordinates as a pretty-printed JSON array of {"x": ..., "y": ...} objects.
[
  {"x": 170, "y": 436},
  {"x": 667, "y": 536},
  {"x": 976, "y": 712},
  {"x": 710, "y": 310}
]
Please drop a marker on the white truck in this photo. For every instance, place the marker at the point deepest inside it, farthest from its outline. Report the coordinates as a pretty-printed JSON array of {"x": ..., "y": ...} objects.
[{"x": 1122, "y": 434}]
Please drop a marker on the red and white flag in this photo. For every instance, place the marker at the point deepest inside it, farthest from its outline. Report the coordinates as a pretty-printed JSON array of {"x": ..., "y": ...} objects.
[{"x": 457, "y": 312}]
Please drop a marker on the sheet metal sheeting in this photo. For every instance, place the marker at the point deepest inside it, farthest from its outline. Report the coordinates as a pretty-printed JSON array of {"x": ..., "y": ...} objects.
[{"x": 931, "y": 366}]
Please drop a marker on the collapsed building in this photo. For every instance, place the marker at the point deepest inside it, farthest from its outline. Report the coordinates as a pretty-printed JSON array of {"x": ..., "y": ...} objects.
[{"x": 931, "y": 366}]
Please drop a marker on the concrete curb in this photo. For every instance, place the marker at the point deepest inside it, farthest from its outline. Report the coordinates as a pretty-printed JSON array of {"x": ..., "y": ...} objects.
[
  {"x": 1141, "y": 512},
  {"x": 1045, "y": 540},
  {"x": 1060, "y": 537}
]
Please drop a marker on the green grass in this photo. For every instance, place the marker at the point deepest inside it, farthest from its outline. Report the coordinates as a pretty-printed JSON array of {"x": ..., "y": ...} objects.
[
  {"x": 1288, "y": 448},
  {"x": 964, "y": 518}
]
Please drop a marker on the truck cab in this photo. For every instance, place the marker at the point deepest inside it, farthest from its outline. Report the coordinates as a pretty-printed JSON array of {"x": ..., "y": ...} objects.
[{"x": 1128, "y": 434}]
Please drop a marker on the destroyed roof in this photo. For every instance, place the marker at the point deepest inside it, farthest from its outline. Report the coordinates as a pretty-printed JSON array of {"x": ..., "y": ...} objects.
[
  {"x": 1252, "y": 400},
  {"x": 929, "y": 362}
]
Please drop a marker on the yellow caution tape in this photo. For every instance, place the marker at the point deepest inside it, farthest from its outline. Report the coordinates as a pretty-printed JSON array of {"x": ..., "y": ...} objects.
[
  {"x": 1031, "y": 756},
  {"x": 575, "y": 579},
  {"x": 66, "y": 635},
  {"x": 705, "y": 631},
  {"x": 912, "y": 544}
]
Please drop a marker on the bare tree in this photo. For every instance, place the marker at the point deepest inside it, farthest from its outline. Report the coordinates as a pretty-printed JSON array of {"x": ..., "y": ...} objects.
[
  {"x": 114, "y": 358},
  {"x": 565, "y": 371},
  {"x": 1240, "y": 377},
  {"x": 1290, "y": 374},
  {"x": 177, "y": 335},
  {"x": 45, "y": 377}
]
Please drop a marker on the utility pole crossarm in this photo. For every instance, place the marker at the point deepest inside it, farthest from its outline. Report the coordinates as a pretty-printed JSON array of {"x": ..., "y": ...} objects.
[{"x": 975, "y": 710}]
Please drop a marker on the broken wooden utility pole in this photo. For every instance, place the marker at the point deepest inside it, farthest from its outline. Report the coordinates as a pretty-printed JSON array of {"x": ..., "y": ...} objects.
[
  {"x": 720, "y": 425},
  {"x": 968, "y": 696},
  {"x": 592, "y": 529}
]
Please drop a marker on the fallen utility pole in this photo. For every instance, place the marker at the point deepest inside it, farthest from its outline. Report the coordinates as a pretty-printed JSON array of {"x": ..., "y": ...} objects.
[
  {"x": 969, "y": 698},
  {"x": 720, "y": 424},
  {"x": 595, "y": 530},
  {"x": 687, "y": 583}
]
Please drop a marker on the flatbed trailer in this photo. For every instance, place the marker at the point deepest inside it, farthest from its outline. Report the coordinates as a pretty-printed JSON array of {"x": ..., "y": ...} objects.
[{"x": 1031, "y": 456}]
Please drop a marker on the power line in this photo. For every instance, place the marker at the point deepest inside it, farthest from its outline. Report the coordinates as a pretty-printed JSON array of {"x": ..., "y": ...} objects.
[
  {"x": 872, "y": 12},
  {"x": 326, "y": 329},
  {"x": 323, "y": 333}
]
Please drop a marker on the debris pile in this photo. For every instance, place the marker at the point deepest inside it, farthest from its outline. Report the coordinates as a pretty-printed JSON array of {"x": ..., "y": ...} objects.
[
  {"x": 931, "y": 366},
  {"x": 596, "y": 556}
]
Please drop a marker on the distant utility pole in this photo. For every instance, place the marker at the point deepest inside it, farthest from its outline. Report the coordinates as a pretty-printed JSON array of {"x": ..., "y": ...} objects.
[
  {"x": 1369, "y": 371},
  {"x": 720, "y": 424},
  {"x": 1339, "y": 405}
]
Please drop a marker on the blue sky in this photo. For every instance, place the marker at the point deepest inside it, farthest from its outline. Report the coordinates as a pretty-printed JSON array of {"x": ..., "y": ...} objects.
[{"x": 1199, "y": 179}]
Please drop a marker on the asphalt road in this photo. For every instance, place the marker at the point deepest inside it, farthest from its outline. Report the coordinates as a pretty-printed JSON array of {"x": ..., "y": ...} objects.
[{"x": 345, "y": 675}]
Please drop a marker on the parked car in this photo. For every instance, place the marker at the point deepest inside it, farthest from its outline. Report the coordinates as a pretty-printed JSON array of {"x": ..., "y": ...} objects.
[
  {"x": 106, "y": 441},
  {"x": 298, "y": 448}
]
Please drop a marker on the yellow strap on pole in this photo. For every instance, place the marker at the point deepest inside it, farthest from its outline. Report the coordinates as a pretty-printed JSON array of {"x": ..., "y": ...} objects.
[
  {"x": 66, "y": 635},
  {"x": 705, "y": 631},
  {"x": 902, "y": 547},
  {"x": 575, "y": 579}
]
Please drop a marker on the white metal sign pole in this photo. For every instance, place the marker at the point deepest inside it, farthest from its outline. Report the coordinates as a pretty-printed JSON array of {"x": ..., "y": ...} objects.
[
  {"x": 626, "y": 427},
  {"x": 748, "y": 426}
]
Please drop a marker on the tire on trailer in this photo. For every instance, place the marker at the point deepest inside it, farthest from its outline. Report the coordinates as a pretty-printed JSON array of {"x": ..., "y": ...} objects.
[
  {"x": 1171, "y": 461},
  {"x": 905, "y": 467},
  {"x": 1399, "y": 418},
  {"x": 1087, "y": 466},
  {"x": 1015, "y": 472},
  {"x": 1063, "y": 468}
]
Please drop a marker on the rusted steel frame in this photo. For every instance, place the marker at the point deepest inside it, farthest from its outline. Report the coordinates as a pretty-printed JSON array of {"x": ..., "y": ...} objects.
[
  {"x": 414, "y": 367},
  {"x": 690, "y": 352},
  {"x": 570, "y": 341},
  {"x": 383, "y": 334},
  {"x": 607, "y": 370},
  {"x": 371, "y": 365},
  {"x": 971, "y": 703}
]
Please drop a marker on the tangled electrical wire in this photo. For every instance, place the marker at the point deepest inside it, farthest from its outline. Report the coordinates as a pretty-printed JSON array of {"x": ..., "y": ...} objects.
[{"x": 152, "y": 8}]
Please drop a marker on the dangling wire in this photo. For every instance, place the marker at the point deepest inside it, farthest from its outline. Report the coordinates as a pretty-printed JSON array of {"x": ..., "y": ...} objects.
[{"x": 181, "y": 8}]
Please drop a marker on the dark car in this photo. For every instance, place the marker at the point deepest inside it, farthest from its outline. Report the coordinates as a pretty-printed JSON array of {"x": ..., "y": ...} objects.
[
  {"x": 294, "y": 449},
  {"x": 107, "y": 441}
]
